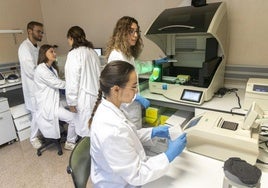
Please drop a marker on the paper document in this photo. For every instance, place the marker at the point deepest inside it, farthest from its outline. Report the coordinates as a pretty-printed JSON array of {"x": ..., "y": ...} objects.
[
  {"x": 175, "y": 132},
  {"x": 176, "y": 122}
]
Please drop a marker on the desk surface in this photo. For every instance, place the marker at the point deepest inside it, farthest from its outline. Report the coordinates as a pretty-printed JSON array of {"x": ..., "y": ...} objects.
[
  {"x": 191, "y": 170},
  {"x": 223, "y": 104}
]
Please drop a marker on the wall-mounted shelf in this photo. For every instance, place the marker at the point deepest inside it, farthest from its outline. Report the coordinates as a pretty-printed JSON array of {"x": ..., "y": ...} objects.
[{"x": 11, "y": 31}]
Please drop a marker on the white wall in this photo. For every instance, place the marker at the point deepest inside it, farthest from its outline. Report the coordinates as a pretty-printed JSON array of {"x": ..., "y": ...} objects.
[
  {"x": 248, "y": 27},
  {"x": 15, "y": 14}
]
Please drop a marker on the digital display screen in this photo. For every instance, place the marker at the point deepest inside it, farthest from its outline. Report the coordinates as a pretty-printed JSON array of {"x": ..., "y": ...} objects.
[
  {"x": 260, "y": 88},
  {"x": 192, "y": 123},
  {"x": 191, "y": 95},
  {"x": 98, "y": 51}
]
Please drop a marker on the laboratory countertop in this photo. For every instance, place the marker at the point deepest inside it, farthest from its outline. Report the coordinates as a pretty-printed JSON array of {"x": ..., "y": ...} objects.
[
  {"x": 10, "y": 84},
  {"x": 194, "y": 170},
  {"x": 222, "y": 104}
]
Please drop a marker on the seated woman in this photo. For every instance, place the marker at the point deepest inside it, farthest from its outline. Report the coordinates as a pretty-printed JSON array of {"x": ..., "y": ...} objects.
[
  {"x": 118, "y": 157},
  {"x": 47, "y": 98}
]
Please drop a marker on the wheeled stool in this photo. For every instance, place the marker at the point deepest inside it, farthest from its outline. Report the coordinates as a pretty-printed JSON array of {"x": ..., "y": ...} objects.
[{"x": 48, "y": 142}]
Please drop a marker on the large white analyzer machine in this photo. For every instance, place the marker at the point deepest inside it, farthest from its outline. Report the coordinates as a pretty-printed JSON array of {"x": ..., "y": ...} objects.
[
  {"x": 194, "y": 39},
  {"x": 221, "y": 135}
]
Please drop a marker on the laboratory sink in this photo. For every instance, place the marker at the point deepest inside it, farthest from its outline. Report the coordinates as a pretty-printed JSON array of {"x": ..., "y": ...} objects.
[{"x": 143, "y": 84}]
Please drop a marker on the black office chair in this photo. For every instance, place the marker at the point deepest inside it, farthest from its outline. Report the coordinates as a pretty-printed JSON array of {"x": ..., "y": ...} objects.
[
  {"x": 47, "y": 142},
  {"x": 80, "y": 163}
]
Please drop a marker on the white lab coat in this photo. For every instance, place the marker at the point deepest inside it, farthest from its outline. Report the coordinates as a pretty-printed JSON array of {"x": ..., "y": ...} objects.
[
  {"x": 82, "y": 71},
  {"x": 118, "y": 157},
  {"x": 28, "y": 55},
  {"x": 133, "y": 111},
  {"x": 47, "y": 99}
]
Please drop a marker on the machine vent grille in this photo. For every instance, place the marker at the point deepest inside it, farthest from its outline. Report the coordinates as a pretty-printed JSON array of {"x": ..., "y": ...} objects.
[{"x": 186, "y": 44}]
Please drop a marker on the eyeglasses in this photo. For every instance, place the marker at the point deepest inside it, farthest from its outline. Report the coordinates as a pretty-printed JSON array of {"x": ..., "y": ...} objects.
[
  {"x": 135, "y": 88},
  {"x": 133, "y": 31},
  {"x": 39, "y": 32}
]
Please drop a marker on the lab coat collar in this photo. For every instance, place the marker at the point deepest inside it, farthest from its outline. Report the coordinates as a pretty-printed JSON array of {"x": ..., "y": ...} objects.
[
  {"x": 29, "y": 41},
  {"x": 120, "y": 114},
  {"x": 110, "y": 105}
]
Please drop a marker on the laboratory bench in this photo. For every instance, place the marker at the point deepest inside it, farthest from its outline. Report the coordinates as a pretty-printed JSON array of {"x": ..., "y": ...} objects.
[
  {"x": 195, "y": 170},
  {"x": 191, "y": 170},
  {"x": 221, "y": 104}
]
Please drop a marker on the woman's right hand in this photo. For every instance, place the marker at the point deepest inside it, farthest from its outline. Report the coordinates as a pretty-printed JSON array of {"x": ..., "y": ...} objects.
[
  {"x": 176, "y": 147},
  {"x": 72, "y": 109}
]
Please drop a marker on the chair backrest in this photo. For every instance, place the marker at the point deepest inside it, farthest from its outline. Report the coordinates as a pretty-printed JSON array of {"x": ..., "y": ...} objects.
[{"x": 80, "y": 162}]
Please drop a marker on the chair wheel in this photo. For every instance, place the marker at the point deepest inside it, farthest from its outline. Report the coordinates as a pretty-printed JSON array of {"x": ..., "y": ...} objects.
[
  {"x": 39, "y": 153},
  {"x": 69, "y": 170},
  {"x": 59, "y": 152}
]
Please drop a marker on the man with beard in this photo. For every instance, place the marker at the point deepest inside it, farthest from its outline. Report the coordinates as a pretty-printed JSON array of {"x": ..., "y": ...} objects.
[{"x": 28, "y": 54}]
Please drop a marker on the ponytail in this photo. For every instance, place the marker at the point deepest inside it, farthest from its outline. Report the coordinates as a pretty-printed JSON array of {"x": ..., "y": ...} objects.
[{"x": 95, "y": 107}]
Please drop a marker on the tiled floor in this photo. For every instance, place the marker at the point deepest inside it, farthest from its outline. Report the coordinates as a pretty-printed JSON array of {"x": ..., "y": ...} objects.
[{"x": 20, "y": 167}]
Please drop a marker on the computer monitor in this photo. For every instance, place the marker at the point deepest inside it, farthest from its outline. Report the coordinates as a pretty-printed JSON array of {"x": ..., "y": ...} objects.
[
  {"x": 254, "y": 112},
  {"x": 98, "y": 51}
]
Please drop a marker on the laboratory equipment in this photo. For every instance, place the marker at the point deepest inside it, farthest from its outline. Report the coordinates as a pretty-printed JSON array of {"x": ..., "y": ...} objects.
[
  {"x": 12, "y": 78},
  {"x": 195, "y": 39},
  {"x": 221, "y": 135},
  {"x": 98, "y": 51},
  {"x": 22, "y": 120},
  {"x": 256, "y": 90},
  {"x": 2, "y": 79}
]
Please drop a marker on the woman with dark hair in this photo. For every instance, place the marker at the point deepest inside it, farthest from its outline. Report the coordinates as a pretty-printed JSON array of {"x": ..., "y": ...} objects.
[
  {"x": 126, "y": 45},
  {"x": 82, "y": 70},
  {"x": 118, "y": 156},
  {"x": 47, "y": 97}
]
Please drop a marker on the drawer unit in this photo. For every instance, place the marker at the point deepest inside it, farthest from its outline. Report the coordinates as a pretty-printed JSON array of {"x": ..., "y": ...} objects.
[
  {"x": 7, "y": 129},
  {"x": 22, "y": 120}
]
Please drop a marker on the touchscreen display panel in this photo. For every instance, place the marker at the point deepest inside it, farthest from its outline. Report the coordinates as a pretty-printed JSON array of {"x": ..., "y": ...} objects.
[
  {"x": 192, "y": 123},
  {"x": 191, "y": 95}
]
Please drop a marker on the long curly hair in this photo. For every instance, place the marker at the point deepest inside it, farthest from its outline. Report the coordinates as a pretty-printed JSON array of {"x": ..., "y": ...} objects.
[{"x": 119, "y": 39}]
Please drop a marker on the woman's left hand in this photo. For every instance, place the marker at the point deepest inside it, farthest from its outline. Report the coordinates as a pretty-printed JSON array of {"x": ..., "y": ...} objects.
[{"x": 161, "y": 131}]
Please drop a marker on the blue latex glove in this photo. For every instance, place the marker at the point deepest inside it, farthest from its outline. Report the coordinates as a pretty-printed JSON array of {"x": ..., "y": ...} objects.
[
  {"x": 160, "y": 131},
  {"x": 143, "y": 101},
  {"x": 161, "y": 61},
  {"x": 176, "y": 147}
]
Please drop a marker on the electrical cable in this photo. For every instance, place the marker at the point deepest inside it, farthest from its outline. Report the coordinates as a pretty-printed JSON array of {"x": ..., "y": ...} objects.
[{"x": 234, "y": 90}]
